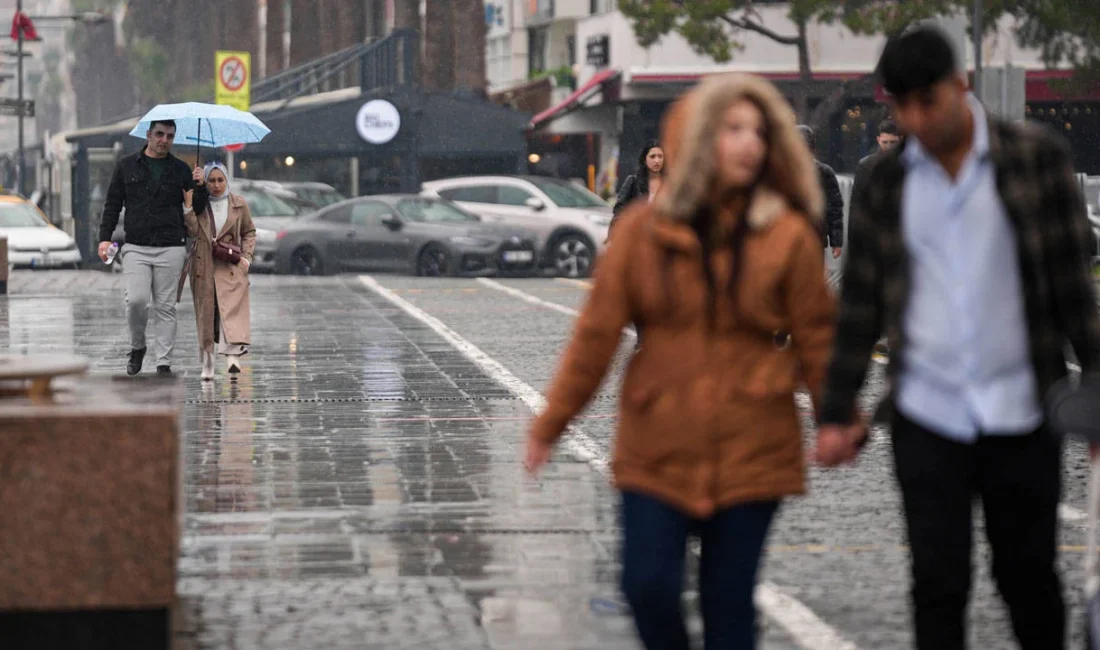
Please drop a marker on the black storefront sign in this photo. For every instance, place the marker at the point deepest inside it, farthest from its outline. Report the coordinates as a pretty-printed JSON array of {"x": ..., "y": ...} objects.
[{"x": 598, "y": 50}]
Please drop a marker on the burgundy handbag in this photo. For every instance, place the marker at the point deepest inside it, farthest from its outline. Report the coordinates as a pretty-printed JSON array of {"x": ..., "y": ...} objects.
[{"x": 223, "y": 251}]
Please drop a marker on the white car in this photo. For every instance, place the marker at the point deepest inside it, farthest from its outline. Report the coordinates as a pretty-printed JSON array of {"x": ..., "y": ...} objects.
[
  {"x": 1094, "y": 220},
  {"x": 32, "y": 242},
  {"x": 570, "y": 223}
]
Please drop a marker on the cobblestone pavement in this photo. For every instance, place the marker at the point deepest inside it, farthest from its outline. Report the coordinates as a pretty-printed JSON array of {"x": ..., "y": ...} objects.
[{"x": 359, "y": 486}]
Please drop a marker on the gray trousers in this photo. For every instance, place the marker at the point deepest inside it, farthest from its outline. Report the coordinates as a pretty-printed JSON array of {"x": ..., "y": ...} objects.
[{"x": 151, "y": 276}]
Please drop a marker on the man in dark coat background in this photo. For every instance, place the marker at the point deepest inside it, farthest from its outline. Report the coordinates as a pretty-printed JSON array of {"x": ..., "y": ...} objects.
[{"x": 833, "y": 230}]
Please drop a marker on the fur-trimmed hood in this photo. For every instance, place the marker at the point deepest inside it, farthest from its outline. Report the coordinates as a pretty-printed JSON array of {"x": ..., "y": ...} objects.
[{"x": 789, "y": 180}]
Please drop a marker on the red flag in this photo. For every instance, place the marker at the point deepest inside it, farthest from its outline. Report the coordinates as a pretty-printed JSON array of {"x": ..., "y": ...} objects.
[{"x": 23, "y": 21}]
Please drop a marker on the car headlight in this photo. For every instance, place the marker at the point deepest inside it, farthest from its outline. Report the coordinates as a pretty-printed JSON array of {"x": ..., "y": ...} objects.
[
  {"x": 471, "y": 241},
  {"x": 599, "y": 219},
  {"x": 265, "y": 237}
]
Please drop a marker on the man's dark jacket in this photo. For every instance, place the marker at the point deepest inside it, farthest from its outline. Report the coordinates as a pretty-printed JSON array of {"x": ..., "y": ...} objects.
[
  {"x": 833, "y": 227},
  {"x": 154, "y": 211},
  {"x": 1036, "y": 184},
  {"x": 859, "y": 181}
]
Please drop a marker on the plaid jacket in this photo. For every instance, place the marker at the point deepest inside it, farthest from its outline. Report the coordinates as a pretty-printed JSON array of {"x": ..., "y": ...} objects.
[{"x": 1035, "y": 179}]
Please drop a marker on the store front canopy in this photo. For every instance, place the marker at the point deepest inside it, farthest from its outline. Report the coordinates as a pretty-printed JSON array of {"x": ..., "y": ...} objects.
[
  {"x": 327, "y": 124},
  {"x": 598, "y": 83}
]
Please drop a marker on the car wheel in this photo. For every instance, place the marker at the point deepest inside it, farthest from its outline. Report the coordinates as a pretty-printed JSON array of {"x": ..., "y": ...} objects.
[
  {"x": 434, "y": 262},
  {"x": 572, "y": 255},
  {"x": 306, "y": 261}
]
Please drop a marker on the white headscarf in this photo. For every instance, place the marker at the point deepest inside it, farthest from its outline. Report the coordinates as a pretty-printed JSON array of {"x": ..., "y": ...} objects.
[{"x": 211, "y": 166}]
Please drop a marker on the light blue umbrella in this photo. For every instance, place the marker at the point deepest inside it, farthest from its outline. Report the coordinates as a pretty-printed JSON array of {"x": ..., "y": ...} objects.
[{"x": 205, "y": 125}]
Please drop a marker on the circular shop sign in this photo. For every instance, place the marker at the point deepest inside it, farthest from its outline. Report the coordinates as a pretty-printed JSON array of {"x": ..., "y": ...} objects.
[{"x": 378, "y": 121}]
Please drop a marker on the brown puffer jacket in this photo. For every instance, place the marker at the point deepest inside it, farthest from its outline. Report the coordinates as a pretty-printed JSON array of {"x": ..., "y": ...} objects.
[{"x": 707, "y": 413}]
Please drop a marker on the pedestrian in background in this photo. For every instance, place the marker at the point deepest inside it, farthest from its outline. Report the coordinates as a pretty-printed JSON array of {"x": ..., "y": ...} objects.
[
  {"x": 220, "y": 221},
  {"x": 970, "y": 249},
  {"x": 150, "y": 185},
  {"x": 832, "y": 231},
  {"x": 888, "y": 137},
  {"x": 718, "y": 268},
  {"x": 645, "y": 182}
]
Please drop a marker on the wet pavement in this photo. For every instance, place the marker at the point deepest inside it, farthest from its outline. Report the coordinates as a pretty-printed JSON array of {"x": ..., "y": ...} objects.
[{"x": 360, "y": 485}]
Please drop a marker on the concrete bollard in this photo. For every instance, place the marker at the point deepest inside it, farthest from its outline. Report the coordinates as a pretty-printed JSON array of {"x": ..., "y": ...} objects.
[{"x": 3, "y": 266}]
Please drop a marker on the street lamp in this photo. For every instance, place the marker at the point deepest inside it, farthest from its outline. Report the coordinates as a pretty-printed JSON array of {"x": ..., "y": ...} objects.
[{"x": 87, "y": 18}]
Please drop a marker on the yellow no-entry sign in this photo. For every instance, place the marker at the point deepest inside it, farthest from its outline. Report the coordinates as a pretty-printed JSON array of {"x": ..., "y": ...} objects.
[{"x": 233, "y": 79}]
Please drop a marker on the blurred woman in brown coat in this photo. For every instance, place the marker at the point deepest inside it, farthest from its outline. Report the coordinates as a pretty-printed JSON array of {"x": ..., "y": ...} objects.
[
  {"x": 219, "y": 288},
  {"x": 723, "y": 271}
]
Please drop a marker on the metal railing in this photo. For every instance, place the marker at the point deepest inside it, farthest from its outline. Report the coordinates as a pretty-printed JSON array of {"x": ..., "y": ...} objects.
[{"x": 390, "y": 61}]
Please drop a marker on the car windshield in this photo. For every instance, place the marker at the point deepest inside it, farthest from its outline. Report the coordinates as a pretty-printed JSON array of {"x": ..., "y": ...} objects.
[
  {"x": 433, "y": 211},
  {"x": 301, "y": 205},
  {"x": 321, "y": 197},
  {"x": 20, "y": 215},
  {"x": 568, "y": 195},
  {"x": 262, "y": 204}
]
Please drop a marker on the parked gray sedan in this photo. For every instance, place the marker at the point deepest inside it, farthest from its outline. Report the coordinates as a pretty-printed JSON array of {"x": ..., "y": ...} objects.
[{"x": 403, "y": 233}]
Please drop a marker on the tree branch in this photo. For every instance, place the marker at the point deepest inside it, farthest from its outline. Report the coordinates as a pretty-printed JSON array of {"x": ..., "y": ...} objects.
[{"x": 746, "y": 23}]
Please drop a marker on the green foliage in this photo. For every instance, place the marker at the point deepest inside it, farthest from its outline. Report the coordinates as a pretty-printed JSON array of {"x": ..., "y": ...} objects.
[
  {"x": 563, "y": 76},
  {"x": 1065, "y": 31},
  {"x": 712, "y": 27}
]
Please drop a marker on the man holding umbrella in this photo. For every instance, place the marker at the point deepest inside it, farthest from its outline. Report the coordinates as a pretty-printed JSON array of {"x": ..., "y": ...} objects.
[{"x": 150, "y": 185}]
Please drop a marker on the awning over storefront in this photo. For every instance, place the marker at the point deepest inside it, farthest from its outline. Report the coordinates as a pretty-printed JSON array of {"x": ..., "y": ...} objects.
[{"x": 596, "y": 84}]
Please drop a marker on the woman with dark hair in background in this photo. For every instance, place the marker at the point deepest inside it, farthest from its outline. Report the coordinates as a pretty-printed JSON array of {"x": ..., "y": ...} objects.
[
  {"x": 724, "y": 271},
  {"x": 644, "y": 182}
]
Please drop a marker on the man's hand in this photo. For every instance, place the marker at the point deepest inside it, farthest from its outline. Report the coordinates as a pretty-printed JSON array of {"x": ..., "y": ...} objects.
[
  {"x": 103, "y": 246},
  {"x": 198, "y": 176},
  {"x": 836, "y": 252},
  {"x": 188, "y": 197},
  {"x": 837, "y": 444}
]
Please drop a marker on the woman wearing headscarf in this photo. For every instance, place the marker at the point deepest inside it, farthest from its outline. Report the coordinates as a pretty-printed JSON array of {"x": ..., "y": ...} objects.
[
  {"x": 723, "y": 270},
  {"x": 645, "y": 182},
  {"x": 225, "y": 238}
]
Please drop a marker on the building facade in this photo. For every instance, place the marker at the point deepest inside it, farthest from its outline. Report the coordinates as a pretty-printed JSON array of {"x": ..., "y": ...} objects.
[{"x": 623, "y": 89}]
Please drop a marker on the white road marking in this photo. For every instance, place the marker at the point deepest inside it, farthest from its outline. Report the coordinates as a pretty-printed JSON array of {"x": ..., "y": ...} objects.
[
  {"x": 584, "y": 284},
  {"x": 1068, "y": 514},
  {"x": 576, "y": 442},
  {"x": 803, "y": 626},
  {"x": 534, "y": 300}
]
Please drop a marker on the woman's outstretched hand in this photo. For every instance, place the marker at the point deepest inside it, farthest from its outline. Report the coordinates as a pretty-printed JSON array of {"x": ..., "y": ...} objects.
[{"x": 538, "y": 454}]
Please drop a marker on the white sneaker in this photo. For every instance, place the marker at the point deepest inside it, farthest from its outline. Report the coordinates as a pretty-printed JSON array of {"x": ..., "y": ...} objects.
[
  {"x": 207, "y": 366},
  {"x": 234, "y": 364}
]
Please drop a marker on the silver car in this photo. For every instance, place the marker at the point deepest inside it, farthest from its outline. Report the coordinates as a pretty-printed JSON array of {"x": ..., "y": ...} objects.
[
  {"x": 272, "y": 210},
  {"x": 403, "y": 233},
  {"x": 569, "y": 221}
]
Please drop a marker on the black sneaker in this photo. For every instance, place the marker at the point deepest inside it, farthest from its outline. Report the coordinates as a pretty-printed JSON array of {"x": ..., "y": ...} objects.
[
  {"x": 164, "y": 371},
  {"x": 137, "y": 357}
]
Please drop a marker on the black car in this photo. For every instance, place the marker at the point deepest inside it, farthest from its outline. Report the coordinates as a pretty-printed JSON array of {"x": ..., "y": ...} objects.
[{"x": 405, "y": 234}]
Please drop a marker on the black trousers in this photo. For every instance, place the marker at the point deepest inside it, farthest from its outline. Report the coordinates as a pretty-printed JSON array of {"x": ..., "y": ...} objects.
[{"x": 1018, "y": 480}]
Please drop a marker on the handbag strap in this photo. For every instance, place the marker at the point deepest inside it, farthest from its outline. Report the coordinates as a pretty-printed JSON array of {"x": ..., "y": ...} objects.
[{"x": 213, "y": 224}]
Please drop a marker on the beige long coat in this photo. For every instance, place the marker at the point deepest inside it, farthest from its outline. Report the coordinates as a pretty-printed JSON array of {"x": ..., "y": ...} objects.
[{"x": 229, "y": 281}]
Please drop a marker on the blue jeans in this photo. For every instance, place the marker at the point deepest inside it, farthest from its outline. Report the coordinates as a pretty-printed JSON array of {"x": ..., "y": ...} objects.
[{"x": 654, "y": 542}]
